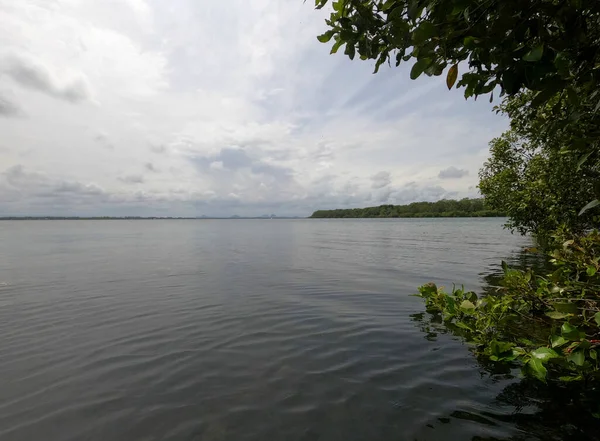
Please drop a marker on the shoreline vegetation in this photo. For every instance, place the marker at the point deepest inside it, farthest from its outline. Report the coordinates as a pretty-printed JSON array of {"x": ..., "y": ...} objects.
[{"x": 444, "y": 208}]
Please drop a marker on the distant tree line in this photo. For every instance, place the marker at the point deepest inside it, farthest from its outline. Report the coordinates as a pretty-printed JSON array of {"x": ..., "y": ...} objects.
[{"x": 444, "y": 208}]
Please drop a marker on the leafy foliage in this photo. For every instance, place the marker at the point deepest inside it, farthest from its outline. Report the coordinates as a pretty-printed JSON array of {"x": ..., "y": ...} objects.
[
  {"x": 549, "y": 325},
  {"x": 444, "y": 208},
  {"x": 542, "y": 180},
  {"x": 539, "y": 189},
  {"x": 546, "y": 46}
]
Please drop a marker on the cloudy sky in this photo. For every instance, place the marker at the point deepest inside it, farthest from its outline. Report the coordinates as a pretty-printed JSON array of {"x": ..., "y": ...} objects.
[{"x": 203, "y": 107}]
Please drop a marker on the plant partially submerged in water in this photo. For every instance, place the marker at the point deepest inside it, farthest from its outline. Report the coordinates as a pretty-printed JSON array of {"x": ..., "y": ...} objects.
[{"x": 548, "y": 324}]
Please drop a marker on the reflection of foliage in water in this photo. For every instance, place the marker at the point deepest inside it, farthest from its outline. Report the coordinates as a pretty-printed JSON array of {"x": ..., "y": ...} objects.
[{"x": 553, "y": 411}]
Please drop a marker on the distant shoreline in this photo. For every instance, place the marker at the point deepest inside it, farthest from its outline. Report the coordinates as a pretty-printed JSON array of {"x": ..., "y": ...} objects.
[
  {"x": 50, "y": 218},
  {"x": 440, "y": 209},
  {"x": 417, "y": 216}
]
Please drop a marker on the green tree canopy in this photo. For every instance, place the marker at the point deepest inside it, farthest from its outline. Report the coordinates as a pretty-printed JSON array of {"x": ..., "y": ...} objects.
[
  {"x": 532, "y": 176},
  {"x": 445, "y": 208},
  {"x": 539, "y": 190}
]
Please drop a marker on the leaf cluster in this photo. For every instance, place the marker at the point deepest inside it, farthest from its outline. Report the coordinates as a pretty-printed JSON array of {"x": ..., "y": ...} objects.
[{"x": 548, "y": 324}]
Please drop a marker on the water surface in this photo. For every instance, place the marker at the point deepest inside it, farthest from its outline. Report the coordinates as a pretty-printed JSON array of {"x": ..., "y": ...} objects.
[{"x": 244, "y": 330}]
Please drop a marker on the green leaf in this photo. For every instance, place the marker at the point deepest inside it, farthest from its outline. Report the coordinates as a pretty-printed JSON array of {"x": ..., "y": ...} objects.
[
  {"x": 467, "y": 305},
  {"x": 428, "y": 289},
  {"x": 589, "y": 206},
  {"x": 350, "y": 50},
  {"x": 500, "y": 348},
  {"x": 424, "y": 32},
  {"x": 593, "y": 354},
  {"x": 568, "y": 379},
  {"x": 450, "y": 305},
  {"x": 324, "y": 38},
  {"x": 571, "y": 332},
  {"x": 470, "y": 42},
  {"x": 336, "y": 46},
  {"x": 534, "y": 54},
  {"x": 419, "y": 67},
  {"x": 591, "y": 270},
  {"x": 388, "y": 5},
  {"x": 537, "y": 368},
  {"x": 452, "y": 76},
  {"x": 320, "y": 3},
  {"x": 583, "y": 159},
  {"x": 558, "y": 341},
  {"x": 548, "y": 89},
  {"x": 414, "y": 10},
  {"x": 544, "y": 354},
  {"x": 568, "y": 308},
  {"x": 577, "y": 357},
  {"x": 557, "y": 315},
  {"x": 597, "y": 318}
]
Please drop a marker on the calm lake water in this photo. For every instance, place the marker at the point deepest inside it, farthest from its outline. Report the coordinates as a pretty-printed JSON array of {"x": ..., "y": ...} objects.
[{"x": 249, "y": 330}]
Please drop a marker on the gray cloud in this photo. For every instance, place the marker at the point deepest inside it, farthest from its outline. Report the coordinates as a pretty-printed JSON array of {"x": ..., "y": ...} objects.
[
  {"x": 234, "y": 127},
  {"x": 452, "y": 173},
  {"x": 151, "y": 168},
  {"x": 132, "y": 179},
  {"x": 381, "y": 179},
  {"x": 39, "y": 185},
  {"x": 9, "y": 108},
  {"x": 104, "y": 140},
  {"x": 159, "y": 149},
  {"x": 237, "y": 159},
  {"x": 36, "y": 76}
]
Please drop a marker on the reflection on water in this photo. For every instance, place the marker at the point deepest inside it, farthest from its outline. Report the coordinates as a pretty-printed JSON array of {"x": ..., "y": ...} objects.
[
  {"x": 250, "y": 331},
  {"x": 539, "y": 411}
]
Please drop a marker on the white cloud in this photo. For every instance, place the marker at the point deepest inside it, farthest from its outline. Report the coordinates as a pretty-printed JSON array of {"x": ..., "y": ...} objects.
[{"x": 214, "y": 108}]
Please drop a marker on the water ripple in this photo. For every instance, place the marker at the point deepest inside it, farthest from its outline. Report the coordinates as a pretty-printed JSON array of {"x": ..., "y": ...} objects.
[{"x": 245, "y": 330}]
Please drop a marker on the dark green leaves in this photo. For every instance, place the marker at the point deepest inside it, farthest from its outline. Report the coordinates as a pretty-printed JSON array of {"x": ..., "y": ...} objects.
[
  {"x": 506, "y": 327},
  {"x": 414, "y": 9},
  {"x": 558, "y": 340},
  {"x": 350, "y": 51},
  {"x": 537, "y": 369},
  {"x": 452, "y": 76},
  {"x": 424, "y": 32},
  {"x": 571, "y": 332},
  {"x": 336, "y": 46},
  {"x": 544, "y": 354},
  {"x": 566, "y": 307},
  {"x": 419, "y": 67},
  {"x": 591, "y": 270},
  {"x": 324, "y": 38},
  {"x": 534, "y": 54},
  {"x": 577, "y": 357}
]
